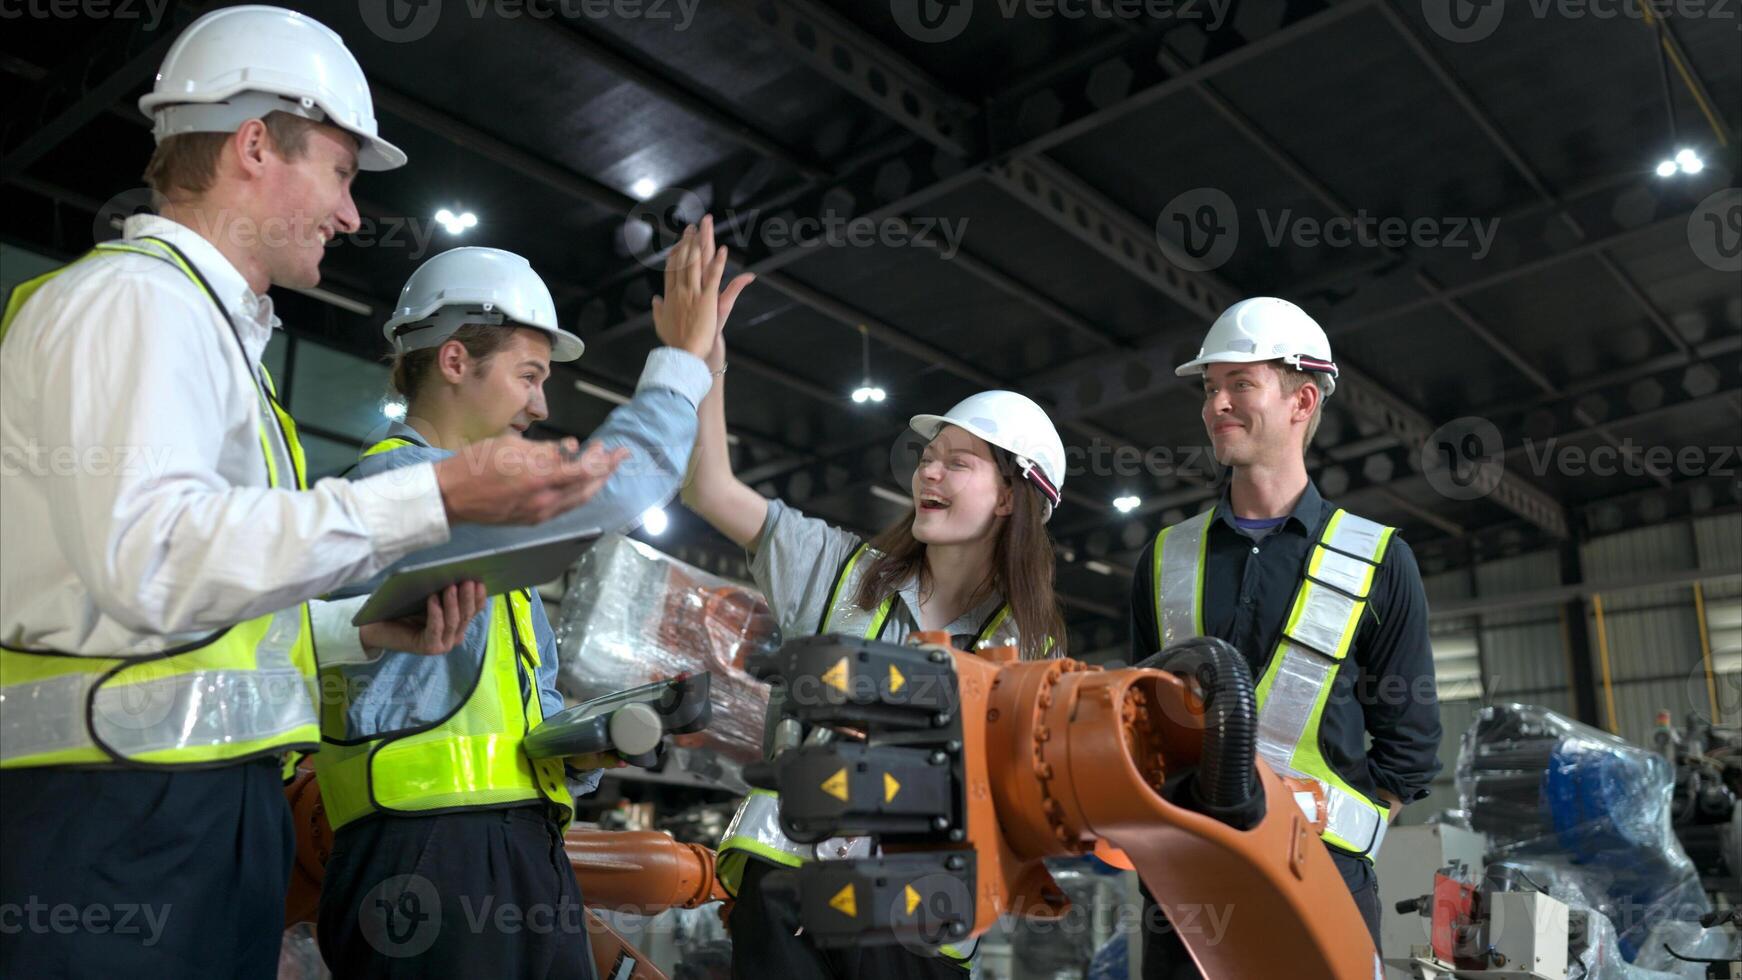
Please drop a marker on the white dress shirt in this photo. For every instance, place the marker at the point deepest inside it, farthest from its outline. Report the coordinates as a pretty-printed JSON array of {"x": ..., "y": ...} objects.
[{"x": 137, "y": 514}]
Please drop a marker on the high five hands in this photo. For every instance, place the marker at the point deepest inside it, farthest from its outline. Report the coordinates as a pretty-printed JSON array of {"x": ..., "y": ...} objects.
[{"x": 692, "y": 312}]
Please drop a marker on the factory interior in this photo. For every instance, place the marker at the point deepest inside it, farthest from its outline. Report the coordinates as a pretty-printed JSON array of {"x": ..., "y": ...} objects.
[{"x": 706, "y": 489}]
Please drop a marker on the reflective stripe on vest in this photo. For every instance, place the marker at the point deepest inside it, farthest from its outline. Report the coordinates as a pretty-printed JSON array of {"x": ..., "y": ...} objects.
[
  {"x": 239, "y": 693},
  {"x": 1316, "y": 638},
  {"x": 471, "y": 759},
  {"x": 242, "y": 692},
  {"x": 755, "y": 828}
]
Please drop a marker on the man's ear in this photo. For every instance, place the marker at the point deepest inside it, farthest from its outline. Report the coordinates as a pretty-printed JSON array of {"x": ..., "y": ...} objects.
[
  {"x": 453, "y": 361},
  {"x": 1306, "y": 401},
  {"x": 252, "y": 144}
]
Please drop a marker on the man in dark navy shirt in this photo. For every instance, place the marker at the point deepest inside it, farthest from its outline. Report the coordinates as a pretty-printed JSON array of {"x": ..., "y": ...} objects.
[{"x": 1267, "y": 367}]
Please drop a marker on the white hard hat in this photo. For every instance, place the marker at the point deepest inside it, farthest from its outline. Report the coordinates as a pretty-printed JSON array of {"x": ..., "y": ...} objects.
[
  {"x": 1266, "y": 329},
  {"x": 475, "y": 285},
  {"x": 1015, "y": 424},
  {"x": 240, "y": 63}
]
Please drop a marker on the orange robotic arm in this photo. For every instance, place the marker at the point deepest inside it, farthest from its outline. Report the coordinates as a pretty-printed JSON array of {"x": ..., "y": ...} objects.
[{"x": 1003, "y": 763}]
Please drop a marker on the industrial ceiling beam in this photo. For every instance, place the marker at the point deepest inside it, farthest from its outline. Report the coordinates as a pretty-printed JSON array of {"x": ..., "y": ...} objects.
[
  {"x": 1515, "y": 157},
  {"x": 1069, "y": 106},
  {"x": 122, "y": 57}
]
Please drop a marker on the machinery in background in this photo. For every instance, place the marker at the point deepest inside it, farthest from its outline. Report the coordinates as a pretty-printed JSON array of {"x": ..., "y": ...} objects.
[
  {"x": 1593, "y": 812},
  {"x": 1706, "y": 799},
  {"x": 1407, "y": 866},
  {"x": 633, "y": 616},
  {"x": 1510, "y": 926},
  {"x": 1566, "y": 867},
  {"x": 633, "y": 724}
]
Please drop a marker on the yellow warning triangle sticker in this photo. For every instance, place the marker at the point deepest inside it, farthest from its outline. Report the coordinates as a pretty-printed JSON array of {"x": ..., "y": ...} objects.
[
  {"x": 836, "y": 785},
  {"x": 896, "y": 681},
  {"x": 836, "y": 676},
  {"x": 844, "y": 903},
  {"x": 890, "y": 788},
  {"x": 912, "y": 899}
]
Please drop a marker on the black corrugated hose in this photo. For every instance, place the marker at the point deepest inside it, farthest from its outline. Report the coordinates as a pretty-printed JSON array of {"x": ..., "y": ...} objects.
[{"x": 1226, "y": 785}]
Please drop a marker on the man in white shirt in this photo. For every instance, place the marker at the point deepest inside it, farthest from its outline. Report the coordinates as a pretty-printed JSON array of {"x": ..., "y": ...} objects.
[{"x": 157, "y": 643}]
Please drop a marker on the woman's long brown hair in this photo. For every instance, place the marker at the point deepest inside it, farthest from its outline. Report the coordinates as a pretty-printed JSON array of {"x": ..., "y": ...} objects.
[{"x": 1021, "y": 572}]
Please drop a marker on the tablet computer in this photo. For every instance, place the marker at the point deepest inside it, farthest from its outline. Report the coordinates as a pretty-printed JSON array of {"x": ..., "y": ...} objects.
[{"x": 502, "y": 569}]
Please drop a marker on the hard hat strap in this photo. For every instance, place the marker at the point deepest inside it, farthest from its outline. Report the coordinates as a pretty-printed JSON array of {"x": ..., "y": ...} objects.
[
  {"x": 1305, "y": 363},
  {"x": 1033, "y": 474}
]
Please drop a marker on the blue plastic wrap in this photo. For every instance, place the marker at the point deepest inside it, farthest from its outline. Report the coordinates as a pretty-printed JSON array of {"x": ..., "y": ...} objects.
[{"x": 1588, "y": 815}]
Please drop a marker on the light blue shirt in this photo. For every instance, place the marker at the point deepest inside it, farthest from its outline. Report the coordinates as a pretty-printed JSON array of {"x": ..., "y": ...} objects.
[{"x": 400, "y": 691}]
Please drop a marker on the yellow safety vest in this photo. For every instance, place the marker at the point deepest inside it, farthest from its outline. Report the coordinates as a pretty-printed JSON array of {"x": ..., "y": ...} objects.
[
  {"x": 240, "y": 693},
  {"x": 755, "y": 828},
  {"x": 470, "y": 760},
  {"x": 1316, "y": 639}
]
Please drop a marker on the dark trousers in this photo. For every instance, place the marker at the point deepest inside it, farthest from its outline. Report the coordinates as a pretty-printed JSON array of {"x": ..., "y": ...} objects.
[
  {"x": 478, "y": 893},
  {"x": 1165, "y": 956},
  {"x": 138, "y": 873},
  {"x": 766, "y": 943}
]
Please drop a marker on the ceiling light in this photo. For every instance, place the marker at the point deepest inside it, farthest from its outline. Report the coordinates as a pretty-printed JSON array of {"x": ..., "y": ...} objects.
[
  {"x": 643, "y": 188},
  {"x": 1126, "y": 504},
  {"x": 456, "y": 223},
  {"x": 654, "y": 522}
]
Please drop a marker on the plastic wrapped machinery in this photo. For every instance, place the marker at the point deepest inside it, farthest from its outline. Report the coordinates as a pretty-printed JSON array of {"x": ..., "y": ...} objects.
[
  {"x": 1591, "y": 814},
  {"x": 632, "y": 616}
]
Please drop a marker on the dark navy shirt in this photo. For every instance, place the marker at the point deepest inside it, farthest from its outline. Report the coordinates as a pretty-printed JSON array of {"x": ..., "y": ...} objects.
[{"x": 1385, "y": 693}]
